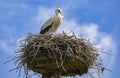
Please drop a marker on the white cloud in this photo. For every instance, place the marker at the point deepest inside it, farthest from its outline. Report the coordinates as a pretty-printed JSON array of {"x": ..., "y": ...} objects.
[
  {"x": 5, "y": 47},
  {"x": 8, "y": 45},
  {"x": 43, "y": 14}
]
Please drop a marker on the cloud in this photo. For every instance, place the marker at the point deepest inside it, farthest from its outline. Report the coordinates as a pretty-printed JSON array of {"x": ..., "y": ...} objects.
[
  {"x": 8, "y": 45},
  {"x": 43, "y": 14},
  {"x": 11, "y": 9},
  {"x": 5, "y": 47}
]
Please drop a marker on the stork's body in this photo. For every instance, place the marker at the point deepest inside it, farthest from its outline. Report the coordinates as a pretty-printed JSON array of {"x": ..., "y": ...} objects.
[{"x": 52, "y": 24}]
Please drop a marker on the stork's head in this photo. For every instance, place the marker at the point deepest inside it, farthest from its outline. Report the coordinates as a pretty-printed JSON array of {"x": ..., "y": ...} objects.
[{"x": 58, "y": 10}]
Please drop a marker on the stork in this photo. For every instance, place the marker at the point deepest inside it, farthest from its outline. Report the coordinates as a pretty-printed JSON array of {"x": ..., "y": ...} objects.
[{"x": 52, "y": 24}]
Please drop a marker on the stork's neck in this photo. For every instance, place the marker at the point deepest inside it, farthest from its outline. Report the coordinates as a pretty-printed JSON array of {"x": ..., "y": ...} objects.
[{"x": 58, "y": 14}]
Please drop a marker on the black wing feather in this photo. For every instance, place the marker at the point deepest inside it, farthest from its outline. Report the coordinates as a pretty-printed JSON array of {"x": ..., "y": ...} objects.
[{"x": 46, "y": 29}]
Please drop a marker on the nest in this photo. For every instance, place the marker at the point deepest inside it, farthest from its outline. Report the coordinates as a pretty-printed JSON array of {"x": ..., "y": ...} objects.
[{"x": 61, "y": 55}]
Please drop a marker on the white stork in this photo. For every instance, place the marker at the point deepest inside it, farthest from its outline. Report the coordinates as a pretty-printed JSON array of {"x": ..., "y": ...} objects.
[{"x": 52, "y": 24}]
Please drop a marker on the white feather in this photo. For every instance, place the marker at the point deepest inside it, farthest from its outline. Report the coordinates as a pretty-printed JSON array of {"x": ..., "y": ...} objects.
[
  {"x": 54, "y": 22},
  {"x": 47, "y": 23}
]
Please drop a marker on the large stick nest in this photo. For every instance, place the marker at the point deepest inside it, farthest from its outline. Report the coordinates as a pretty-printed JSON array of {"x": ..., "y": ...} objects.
[{"x": 48, "y": 54}]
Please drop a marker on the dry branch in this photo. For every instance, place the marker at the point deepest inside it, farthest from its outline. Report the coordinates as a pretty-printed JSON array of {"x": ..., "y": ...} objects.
[{"x": 46, "y": 54}]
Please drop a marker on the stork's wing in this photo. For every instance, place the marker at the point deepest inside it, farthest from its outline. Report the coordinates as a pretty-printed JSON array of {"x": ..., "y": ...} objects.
[{"x": 47, "y": 25}]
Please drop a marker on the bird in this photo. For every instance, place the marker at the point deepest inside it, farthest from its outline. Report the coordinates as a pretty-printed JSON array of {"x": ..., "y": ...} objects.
[{"x": 53, "y": 23}]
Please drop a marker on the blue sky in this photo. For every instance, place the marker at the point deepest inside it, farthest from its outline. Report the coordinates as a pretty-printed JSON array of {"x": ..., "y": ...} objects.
[{"x": 97, "y": 20}]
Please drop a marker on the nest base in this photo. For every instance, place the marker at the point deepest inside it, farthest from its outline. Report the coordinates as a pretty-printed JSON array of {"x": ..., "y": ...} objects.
[{"x": 48, "y": 66}]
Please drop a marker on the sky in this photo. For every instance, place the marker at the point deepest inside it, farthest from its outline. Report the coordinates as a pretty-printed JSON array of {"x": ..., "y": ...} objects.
[{"x": 96, "y": 20}]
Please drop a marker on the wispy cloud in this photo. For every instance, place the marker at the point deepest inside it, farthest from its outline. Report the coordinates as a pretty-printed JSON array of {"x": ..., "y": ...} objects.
[
  {"x": 7, "y": 46},
  {"x": 43, "y": 14}
]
